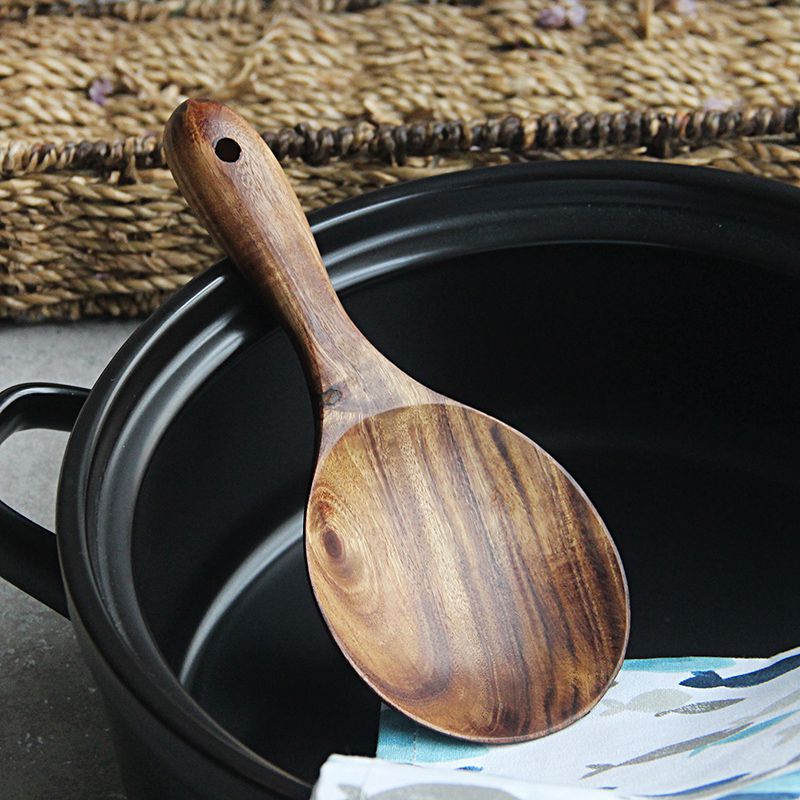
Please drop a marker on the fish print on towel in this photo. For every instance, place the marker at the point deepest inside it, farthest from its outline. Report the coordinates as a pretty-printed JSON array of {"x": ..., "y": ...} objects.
[
  {"x": 693, "y": 746},
  {"x": 749, "y": 730},
  {"x": 654, "y": 701},
  {"x": 661, "y": 702},
  {"x": 701, "y": 707},
  {"x": 686, "y": 746},
  {"x": 709, "y": 679}
]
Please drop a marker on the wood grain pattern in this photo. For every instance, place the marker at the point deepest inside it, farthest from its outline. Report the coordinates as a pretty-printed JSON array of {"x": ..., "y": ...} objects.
[
  {"x": 442, "y": 543},
  {"x": 462, "y": 572}
]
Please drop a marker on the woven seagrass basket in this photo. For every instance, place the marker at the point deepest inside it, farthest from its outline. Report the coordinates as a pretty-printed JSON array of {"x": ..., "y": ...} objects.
[{"x": 352, "y": 96}]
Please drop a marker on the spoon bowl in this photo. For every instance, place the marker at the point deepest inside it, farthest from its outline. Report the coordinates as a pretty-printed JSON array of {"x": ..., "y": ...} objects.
[{"x": 476, "y": 605}]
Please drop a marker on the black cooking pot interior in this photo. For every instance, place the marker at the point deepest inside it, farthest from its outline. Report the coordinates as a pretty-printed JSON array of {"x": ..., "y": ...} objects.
[{"x": 661, "y": 373}]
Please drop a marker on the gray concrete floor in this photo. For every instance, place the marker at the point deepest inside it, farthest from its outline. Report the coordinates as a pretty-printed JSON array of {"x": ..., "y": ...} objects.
[{"x": 54, "y": 739}]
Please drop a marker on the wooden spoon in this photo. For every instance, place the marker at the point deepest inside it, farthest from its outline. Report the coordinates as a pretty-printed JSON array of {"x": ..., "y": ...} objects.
[{"x": 460, "y": 569}]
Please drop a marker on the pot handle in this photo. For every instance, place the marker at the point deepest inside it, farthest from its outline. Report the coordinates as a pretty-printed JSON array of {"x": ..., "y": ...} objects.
[{"x": 28, "y": 552}]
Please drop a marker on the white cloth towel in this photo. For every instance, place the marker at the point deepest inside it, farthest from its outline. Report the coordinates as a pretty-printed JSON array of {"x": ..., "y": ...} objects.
[{"x": 676, "y": 727}]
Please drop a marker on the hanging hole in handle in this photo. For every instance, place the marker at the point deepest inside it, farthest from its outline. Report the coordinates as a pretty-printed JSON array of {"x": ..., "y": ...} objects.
[{"x": 227, "y": 150}]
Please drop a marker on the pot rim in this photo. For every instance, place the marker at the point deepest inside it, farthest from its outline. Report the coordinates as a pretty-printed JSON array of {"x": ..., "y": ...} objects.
[{"x": 744, "y": 197}]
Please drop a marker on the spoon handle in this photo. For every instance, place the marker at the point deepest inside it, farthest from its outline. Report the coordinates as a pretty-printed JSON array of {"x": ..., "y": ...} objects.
[{"x": 236, "y": 187}]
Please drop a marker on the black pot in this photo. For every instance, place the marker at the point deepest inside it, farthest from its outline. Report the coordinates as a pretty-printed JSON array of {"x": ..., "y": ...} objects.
[{"x": 639, "y": 321}]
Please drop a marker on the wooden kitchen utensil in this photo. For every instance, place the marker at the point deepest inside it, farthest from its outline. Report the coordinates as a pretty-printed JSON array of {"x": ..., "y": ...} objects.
[{"x": 460, "y": 569}]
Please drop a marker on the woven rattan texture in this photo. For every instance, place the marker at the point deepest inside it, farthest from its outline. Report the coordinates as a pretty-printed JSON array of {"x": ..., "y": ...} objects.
[{"x": 353, "y": 96}]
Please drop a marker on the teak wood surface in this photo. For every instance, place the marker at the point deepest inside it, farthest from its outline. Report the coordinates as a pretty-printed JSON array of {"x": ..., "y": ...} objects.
[{"x": 460, "y": 569}]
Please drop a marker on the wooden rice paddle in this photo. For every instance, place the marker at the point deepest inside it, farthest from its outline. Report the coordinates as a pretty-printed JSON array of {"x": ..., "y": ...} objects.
[{"x": 462, "y": 572}]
